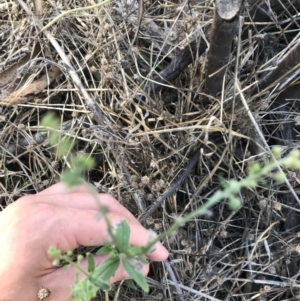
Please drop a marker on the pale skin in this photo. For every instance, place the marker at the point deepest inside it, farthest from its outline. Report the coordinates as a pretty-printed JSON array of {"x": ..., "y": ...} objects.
[{"x": 65, "y": 219}]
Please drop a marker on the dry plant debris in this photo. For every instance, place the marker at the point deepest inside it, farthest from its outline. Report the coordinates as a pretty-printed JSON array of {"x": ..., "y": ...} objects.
[
  {"x": 140, "y": 98},
  {"x": 43, "y": 293}
]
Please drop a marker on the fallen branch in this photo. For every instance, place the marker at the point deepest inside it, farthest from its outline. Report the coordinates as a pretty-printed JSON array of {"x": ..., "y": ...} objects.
[{"x": 221, "y": 37}]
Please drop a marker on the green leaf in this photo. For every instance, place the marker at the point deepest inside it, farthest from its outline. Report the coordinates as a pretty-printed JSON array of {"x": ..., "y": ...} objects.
[
  {"x": 143, "y": 260},
  {"x": 71, "y": 178},
  {"x": 107, "y": 269},
  {"x": 122, "y": 237},
  {"x": 83, "y": 163},
  {"x": 64, "y": 146},
  {"x": 130, "y": 284},
  {"x": 136, "y": 276},
  {"x": 84, "y": 290},
  {"x": 50, "y": 120},
  {"x": 99, "y": 283},
  {"x": 106, "y": 249},
  {"x": 91, "y": 262},
  {"x": 53, "y": 138},
  {"x": 133, "y": 251}
]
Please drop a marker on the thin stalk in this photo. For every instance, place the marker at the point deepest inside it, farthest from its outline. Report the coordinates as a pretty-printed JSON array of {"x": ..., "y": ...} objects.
[
  {"x": 103, "y": 211},
  {"x": 74, "y": 264},
  {"x": 230, "y": 191}
]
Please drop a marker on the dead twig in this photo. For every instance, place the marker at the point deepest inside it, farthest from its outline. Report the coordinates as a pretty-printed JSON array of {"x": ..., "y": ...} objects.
[
  {"x": 174, "y": 186},
  {"x": 174, "y": 280}
]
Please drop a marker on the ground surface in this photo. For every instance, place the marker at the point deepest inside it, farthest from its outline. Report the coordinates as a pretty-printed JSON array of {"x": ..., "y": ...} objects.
[{"x": 143, "y": 109}]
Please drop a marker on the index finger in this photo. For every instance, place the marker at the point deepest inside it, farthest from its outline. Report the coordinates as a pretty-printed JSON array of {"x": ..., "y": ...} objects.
[
  {"x": 61, "y": 188},
  {"x": 80, "y": 227},
  {"x": 83, "y": 201}
]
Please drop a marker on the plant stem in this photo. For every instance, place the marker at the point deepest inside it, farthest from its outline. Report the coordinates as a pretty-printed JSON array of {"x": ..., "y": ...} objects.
[
  {"x": 74, "y": 264},
  {"x": 103, "y": 211},
  {"x": 217, "y": 197}
]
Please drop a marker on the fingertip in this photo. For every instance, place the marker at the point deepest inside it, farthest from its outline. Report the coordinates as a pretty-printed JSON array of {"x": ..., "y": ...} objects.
[{"x": 160, "y": 253}]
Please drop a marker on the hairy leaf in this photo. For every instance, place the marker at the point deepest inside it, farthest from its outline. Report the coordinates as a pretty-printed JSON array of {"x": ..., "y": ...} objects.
[
  {"x": 122, "y": 237},
  {"x": 106, "y": 249},
  {"x": 70, "y": 178},
  {"x": 136, "y": 276},
  {"x": 107, "y": 269}
]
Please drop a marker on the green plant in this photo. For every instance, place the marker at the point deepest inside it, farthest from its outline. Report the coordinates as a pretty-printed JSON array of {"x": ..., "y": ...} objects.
[{"x": 119, "y": 250}]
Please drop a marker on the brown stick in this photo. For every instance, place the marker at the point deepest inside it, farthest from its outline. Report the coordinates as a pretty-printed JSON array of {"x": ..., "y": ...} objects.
[{"x": 223, "y": 31}]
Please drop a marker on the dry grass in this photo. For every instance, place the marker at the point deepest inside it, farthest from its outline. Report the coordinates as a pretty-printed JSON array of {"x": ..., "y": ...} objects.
[{"x": 142, "y": 142}]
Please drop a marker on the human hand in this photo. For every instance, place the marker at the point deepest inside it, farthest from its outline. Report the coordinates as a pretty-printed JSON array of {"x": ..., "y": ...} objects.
[{"x": 64, "y": 219}]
